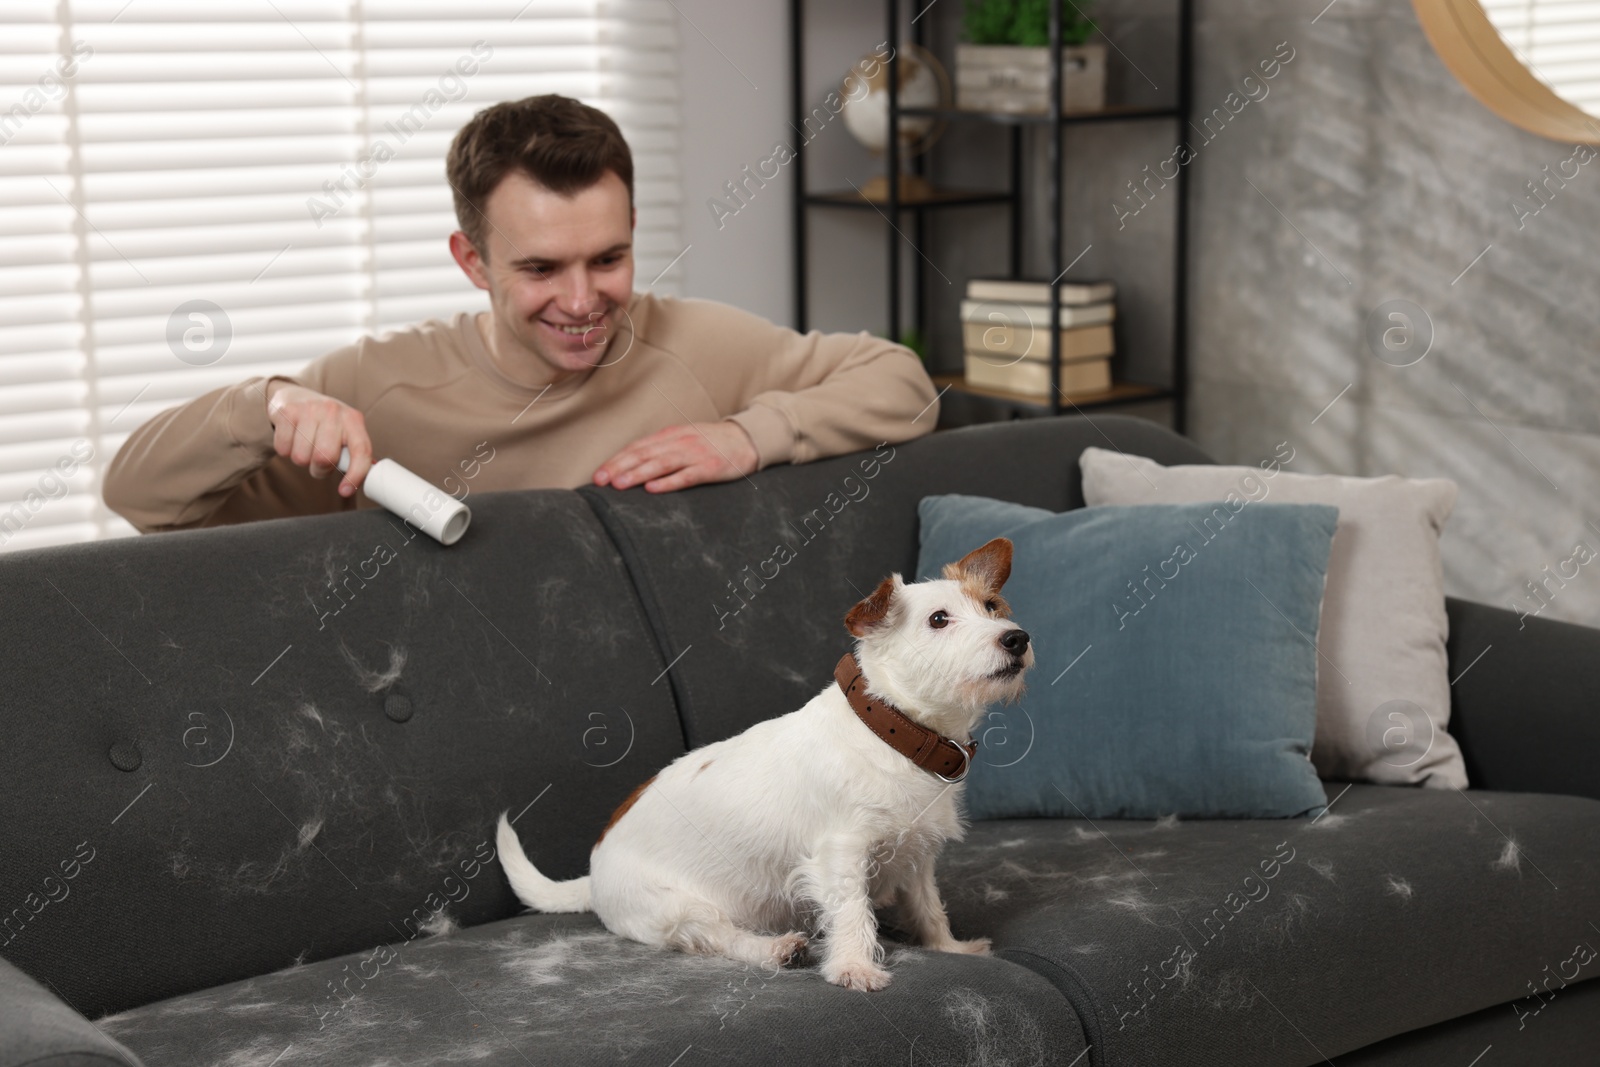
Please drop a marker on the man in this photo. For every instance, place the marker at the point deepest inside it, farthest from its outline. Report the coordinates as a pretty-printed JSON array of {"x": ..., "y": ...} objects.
[{"x": 570, "y": 378}]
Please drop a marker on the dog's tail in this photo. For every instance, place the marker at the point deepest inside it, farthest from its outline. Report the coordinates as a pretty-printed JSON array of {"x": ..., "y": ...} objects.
[{"x": 533, "y": 888}]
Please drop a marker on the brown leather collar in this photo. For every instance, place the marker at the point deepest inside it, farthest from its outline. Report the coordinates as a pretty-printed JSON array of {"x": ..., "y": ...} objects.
[{"x": 928, "y": 749}]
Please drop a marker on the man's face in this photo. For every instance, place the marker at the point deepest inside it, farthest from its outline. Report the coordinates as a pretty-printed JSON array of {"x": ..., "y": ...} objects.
[{"x": 559, "y": 269}]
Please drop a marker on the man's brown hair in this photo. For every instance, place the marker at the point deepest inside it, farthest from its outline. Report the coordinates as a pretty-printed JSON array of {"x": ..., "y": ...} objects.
[{"x": 564, "y": 145}]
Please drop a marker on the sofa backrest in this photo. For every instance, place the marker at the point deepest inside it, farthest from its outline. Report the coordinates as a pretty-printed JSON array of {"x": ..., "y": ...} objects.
[
  {"x": 747, "y": 583},
  {"x": 230, "y": 749}
]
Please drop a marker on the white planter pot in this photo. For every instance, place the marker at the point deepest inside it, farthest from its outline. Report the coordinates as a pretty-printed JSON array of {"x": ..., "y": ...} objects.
[{"x": 1016, "y": 78}]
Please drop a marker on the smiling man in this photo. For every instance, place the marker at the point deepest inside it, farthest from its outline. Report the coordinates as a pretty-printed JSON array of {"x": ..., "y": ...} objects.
[{"x": 569, "y": 378}]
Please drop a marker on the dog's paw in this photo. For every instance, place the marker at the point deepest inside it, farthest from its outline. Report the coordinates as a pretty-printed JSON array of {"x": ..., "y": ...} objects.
[
  {"x": 864, "y": 976},
  {"x": 978, "y": 946},
  {"x": 788, "y": 949}
]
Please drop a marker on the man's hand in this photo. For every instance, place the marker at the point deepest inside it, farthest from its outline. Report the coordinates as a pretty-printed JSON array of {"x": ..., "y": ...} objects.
[
  {"x": 680, "y": 456},
  {"x": 310, "y": 429}
]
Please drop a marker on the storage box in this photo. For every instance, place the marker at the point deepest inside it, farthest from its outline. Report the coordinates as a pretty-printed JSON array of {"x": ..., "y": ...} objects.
[{"x": 1016, "y": 78}]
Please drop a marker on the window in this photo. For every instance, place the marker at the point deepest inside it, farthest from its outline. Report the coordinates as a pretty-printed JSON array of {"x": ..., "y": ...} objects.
[{"x": 195, "y": 193}]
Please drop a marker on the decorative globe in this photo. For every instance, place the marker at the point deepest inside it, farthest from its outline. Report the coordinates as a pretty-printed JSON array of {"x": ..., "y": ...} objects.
[{"x": 923, "y": 83}]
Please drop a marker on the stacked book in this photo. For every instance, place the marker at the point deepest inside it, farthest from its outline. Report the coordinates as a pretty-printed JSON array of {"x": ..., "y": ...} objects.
[{"x": 1005, "y": 325}]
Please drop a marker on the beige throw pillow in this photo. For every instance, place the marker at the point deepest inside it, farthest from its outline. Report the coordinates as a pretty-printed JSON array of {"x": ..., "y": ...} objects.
[{"x": 1383, "y": 689}]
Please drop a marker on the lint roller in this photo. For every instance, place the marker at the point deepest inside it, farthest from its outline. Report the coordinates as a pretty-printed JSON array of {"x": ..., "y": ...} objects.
[{"x": 441, "y": 517}]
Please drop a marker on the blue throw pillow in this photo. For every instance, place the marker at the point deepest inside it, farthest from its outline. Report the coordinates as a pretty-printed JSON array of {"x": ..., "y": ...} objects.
[{"x": 1176, "y": 668}]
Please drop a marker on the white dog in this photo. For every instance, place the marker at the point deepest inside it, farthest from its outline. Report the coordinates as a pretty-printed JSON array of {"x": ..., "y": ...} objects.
[{"x": 806, "y": 821}]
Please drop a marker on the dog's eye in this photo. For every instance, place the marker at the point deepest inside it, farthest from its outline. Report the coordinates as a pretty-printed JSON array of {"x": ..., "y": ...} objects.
[
  {"x": 938, "y": 620},
  {"x": 991, "y": 606}
]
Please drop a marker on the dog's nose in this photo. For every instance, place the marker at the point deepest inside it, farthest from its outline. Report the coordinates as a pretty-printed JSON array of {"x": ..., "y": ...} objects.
[{"x": 1014, "y": 641}]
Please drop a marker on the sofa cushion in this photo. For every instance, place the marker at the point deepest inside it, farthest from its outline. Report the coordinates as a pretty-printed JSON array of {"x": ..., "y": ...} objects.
[
  {"x": 1566, "y": 1032},
  {"x": 1167, "y": 679},
  {"x": 748, "y": 581},
  {"x": 550, "y": 989},
  {"x": 1283, "y": 942},
  {"x": 241, "y": 765},
  {"x": 1383, "y": 696}
]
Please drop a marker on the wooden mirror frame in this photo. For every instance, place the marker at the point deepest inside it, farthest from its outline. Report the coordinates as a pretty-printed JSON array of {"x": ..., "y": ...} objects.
[{"x": 1474, "y": 51}]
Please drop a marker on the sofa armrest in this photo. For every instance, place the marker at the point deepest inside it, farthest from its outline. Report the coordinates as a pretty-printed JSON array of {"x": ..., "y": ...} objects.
[
  {"x": 1525, "y": 700},
  {"x": 37, "y": 1028}
]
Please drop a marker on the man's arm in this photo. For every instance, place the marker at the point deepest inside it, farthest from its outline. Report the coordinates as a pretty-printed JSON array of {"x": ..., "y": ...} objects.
[
  {"x": 224, "y": 458},
  {"x": 814, "y": 395},
  {"x": 796, "y": 397}
]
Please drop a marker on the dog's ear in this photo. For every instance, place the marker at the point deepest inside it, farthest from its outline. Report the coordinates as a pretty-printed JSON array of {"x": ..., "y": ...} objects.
[
  {"x": 987, "y": 567},
  {"x": 871, "y": 612}
]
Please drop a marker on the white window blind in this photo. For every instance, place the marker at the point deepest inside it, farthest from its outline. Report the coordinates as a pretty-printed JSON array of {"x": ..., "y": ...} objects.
[
  {"x": 282, "y": 160},
  {"x": 1558, "y": 40}
]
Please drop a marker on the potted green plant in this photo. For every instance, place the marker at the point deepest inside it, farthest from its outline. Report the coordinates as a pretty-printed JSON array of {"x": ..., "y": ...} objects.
[{"x": 1004, "y": 62}]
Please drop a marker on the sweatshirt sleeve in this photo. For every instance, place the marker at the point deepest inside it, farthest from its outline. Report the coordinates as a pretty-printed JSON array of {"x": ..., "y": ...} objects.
[
  {"x": 211, "y": 461},
  {"x": 807, "y": 396}
]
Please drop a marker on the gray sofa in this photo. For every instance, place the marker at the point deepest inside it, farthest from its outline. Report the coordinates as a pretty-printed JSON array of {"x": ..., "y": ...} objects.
[{"x": 251, "y": 776}]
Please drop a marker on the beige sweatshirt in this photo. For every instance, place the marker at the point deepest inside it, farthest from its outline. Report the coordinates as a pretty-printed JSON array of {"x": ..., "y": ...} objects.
[{"x": 435, "y": 401}]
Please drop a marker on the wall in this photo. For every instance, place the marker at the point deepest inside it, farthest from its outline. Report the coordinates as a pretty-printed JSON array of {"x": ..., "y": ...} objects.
[
  {"x": 1380, "y": 178},
  {"x": 735, "y": 73}
]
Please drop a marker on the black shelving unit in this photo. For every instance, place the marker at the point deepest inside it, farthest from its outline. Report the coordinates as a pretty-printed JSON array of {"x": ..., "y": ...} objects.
[{"x": 1056, "y": 122}]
